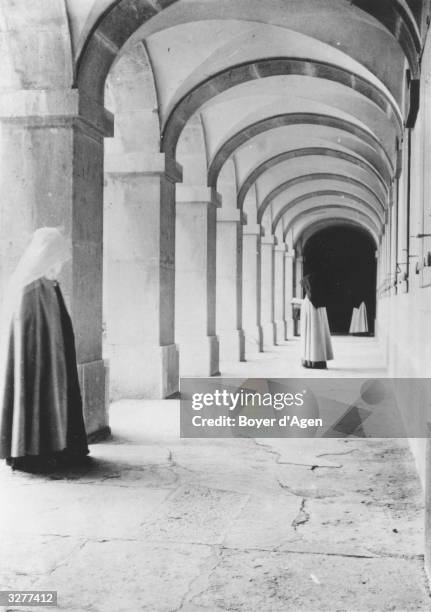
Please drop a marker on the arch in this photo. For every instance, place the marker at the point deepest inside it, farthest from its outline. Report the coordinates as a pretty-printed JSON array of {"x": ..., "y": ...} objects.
[
  {"x": 131, "y": 95},
  {"x": 316, "y": 226},
  {"x": 298, "y": 180},
  {"x": 340, "y": 212},
  {"x": 253, "y": 176},
  {"x": 346, "y": 258},
  {"x": 321, "y": 194},
  {"x": 192, "y": 152},
  {"x": 260, "y": 69},
  {"x": 269, "y": 123},
  {"x": 400, "y": 23},
  {"x": 107, "y": 36}
]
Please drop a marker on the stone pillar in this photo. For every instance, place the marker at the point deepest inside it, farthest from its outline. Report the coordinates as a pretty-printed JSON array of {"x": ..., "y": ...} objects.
[
  {"x": 299, "y": 263},
  {"x": 229, "y": 285},
  {"x": 288, "y": 293},
  {"x": 267, "y": 291},
  {"x": 195, "y": 288},
  {"x": 140, "y": 270},
  {"x": 298, "y": 269},
  {"x": 279, "y": 293},
  {"x": 251, "y": 289},
  {"x": 52, "y": 175}
]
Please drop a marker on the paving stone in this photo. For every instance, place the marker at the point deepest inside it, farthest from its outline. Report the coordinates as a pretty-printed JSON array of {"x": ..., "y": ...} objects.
[
  {"x": 127, "y": 576},
  {"x": 79, "y": 510},
  {"x": 280, "y": 582},
  {"x": 195, "y": 514}
]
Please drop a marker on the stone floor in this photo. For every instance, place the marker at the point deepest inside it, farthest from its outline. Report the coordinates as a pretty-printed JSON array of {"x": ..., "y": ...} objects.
[{"x": 163, "y": 524}]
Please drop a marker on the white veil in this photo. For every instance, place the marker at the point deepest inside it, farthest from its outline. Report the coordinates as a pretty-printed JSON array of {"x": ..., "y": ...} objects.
[{"x": 48, "y": 248}]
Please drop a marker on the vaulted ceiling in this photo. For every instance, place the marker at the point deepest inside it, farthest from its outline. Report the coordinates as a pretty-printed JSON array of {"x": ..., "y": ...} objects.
[{"x": 308, "y": 98}]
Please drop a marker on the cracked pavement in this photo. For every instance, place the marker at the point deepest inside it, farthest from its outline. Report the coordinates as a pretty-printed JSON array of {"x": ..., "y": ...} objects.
[{"x": 163, "y": 524}]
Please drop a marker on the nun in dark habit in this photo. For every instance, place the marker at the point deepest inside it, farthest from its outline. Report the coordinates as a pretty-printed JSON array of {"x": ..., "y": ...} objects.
[
  {"x": 316, "y": 346},
  {"x": 41, "y": 419}
]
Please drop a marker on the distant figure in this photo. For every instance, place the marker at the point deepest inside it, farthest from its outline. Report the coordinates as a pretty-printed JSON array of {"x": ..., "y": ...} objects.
[
  {"x": 316, "y": 343},
  {"x": 359, "y": 322},
  {"x": 41, "y": 420}
]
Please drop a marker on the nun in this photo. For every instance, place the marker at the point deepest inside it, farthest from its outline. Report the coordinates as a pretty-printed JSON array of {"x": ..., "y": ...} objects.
[
  {"x": 359, "y": 321},
  {"x": 41, "y": 418},
  {"x": 316, "y": 346}
]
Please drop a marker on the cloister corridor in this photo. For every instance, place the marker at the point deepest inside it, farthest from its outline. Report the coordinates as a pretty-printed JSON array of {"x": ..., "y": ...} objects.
[
  {"x": 164, "y": 524},
  {"x": 207, "y": 164}
]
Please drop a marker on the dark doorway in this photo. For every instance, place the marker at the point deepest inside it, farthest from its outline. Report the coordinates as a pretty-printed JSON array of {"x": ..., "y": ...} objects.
[{"x": 345, "y": 257}]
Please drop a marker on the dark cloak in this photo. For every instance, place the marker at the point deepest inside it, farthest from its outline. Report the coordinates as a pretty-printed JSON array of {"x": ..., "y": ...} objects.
[{"x": 41, "y": 404}]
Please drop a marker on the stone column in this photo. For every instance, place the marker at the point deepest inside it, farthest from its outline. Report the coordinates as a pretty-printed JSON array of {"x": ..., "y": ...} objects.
[
  {"x": 140, "y": 269},
  {"x": 52, "y": 175},
  {"x": 279, "y": 293},
  {"x": 288, "y": 293},
  {"x": 251, "y": 289},
  {"x": 298, "y": 268},
  {"x": 299, "y": 263},
  {"x": 195, "y": 288},
  {"x": 229, "y": 285},
  {"x": 267, "y": 291}
]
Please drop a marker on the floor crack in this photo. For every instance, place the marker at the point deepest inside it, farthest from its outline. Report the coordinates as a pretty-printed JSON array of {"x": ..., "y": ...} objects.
[
  {"x": 302, "y": 517},
  {"x": 353, "y": 450},
  {"x": 278, "y": 460}
]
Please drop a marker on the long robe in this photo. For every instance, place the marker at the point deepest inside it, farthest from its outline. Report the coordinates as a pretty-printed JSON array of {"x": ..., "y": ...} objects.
[
  {"x": 359, "y": 321},
  {"x": 40, "y": 398},
  {"x": 316, "y": 345}
]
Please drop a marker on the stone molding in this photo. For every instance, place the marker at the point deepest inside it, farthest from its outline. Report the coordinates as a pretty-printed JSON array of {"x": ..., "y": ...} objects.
[
  {"x": 197, "y": 194},
  {"x": 228, "y": 216},
  {"x": 143, "y": 164},
  {"x": 40, "y": 108},
  {"x": 252, "y": 230}
]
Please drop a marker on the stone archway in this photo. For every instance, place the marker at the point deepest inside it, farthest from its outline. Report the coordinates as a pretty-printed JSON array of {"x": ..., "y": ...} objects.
[{"x": 346, "y": 256}]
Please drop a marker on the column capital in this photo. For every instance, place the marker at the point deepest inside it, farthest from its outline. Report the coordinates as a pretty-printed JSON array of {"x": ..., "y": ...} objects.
[
  {"x": 37, "y": 108},
  {"x": 228, "y": 215},
  {"x": 143, "y": 164},
  {"x": 280, "y": 248},
  {"x": 197, "y": 194},
  {"x": 269, "y": 240},
  {"x": 252, "y": 230}
]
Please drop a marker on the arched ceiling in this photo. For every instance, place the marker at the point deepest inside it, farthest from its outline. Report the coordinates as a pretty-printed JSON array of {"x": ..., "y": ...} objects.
[
  {"x": 302, "y": 141},
  {"x": 322, "y": 182},
  {"x": 318, "y": 218},
  {"x": 249, "y": 128},
  {"x": 294, "y": 171},
  {"x": 318, "y": 225},
  {"x": 308, "y": 97},
  {"x": 225, "y": 114},
  {"x": 368, "y": 31},
  {"x": 324, "y": 199}
]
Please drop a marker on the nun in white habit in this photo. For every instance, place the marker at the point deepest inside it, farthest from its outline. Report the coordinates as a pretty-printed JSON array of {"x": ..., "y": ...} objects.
[
  {"x": 41, "y": 419},
  {"x": 359, "y": 321},
  {"x": 316, "y": 345}
]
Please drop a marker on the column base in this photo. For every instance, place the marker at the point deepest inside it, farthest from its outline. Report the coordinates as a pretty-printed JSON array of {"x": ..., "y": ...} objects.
[
  {"x": 268, "y": 330},
  {"x": 143, "y": 371},
  {"x": 232, "y": 345},
  {"x": 253, "y": 340},
  {"x": 199, "y": 357},
  {"x": 280, "y": 331},
  {"x": 93, "y": 377},
  {"x": 290, "y": 331}
]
